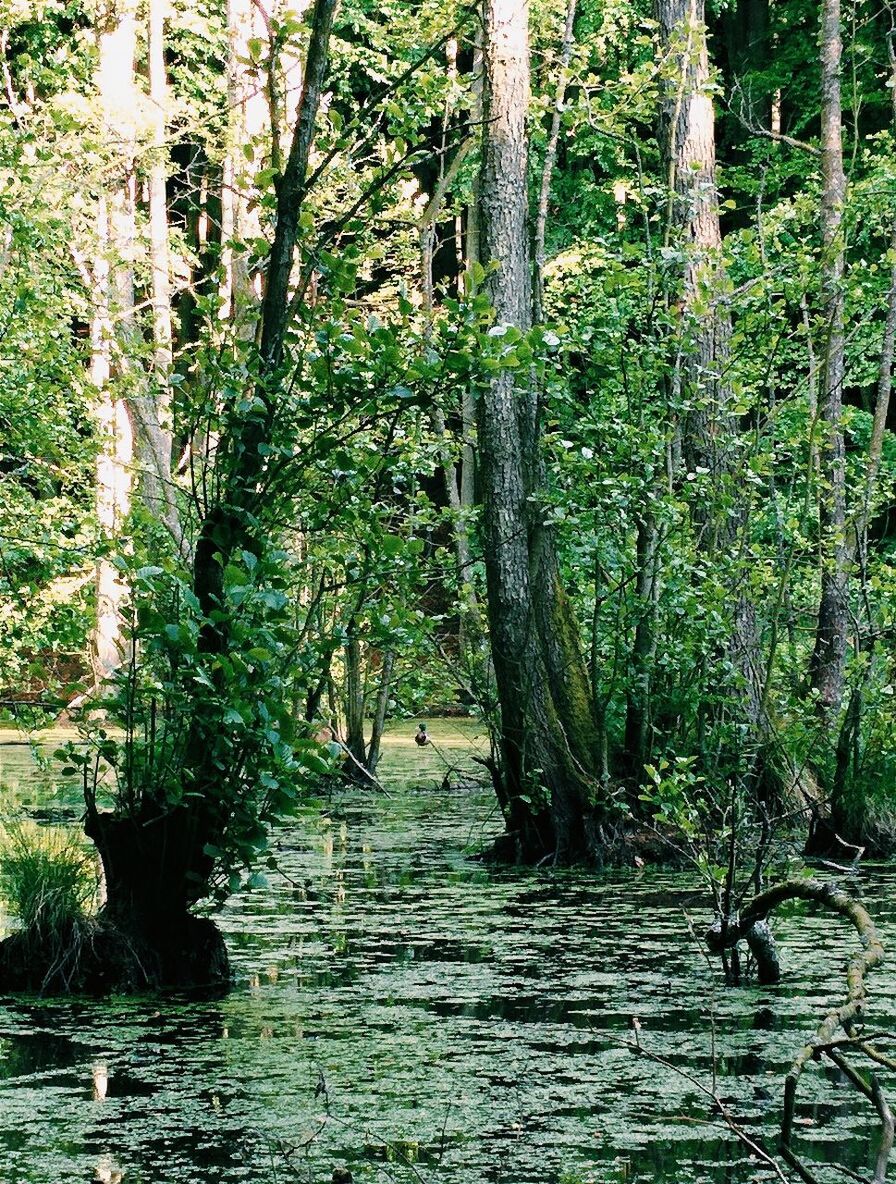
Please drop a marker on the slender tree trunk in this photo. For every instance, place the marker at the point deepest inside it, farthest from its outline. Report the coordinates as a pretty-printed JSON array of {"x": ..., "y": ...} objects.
[
  {"x": 151, "y": 402},
  {"x": 379, "y": 712},
  {"x": 114, "y": 301},
  {"x": 354, "y": 702},
  {"x": 249, "y": 122},
  {"x": 470, "y": 617},
  {"x": 709, "y": 437},
  {"x": 550, "y": 158},
  {"x": 828, "y": 662},
  {"x": 849, "y": 805},
  {"x": 113, "y": 476},
  {"x": 647, "y": 591},
  {"x": 472, "y": 258},
  {"x": 888, "y": 349}
]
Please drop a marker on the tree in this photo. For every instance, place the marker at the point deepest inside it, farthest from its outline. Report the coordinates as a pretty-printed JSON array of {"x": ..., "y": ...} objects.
[
  {"x": 546, "y": 782},
  {"x": 828, "y": 662},
  {"x": 701, "y": 380},
  {"x": 196, "y": 771}
]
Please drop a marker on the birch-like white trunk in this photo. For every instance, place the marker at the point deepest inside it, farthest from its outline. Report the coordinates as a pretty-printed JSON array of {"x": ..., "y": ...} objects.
[{"x": 113, "y": 301}]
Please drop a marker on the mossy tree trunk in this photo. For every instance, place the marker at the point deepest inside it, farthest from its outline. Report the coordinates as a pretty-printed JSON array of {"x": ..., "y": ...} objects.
[{"x": 548, "y": 736}]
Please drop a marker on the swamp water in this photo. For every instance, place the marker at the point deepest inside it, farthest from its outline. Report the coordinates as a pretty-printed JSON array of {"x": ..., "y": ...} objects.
[{"x": 402, "y": 1011}]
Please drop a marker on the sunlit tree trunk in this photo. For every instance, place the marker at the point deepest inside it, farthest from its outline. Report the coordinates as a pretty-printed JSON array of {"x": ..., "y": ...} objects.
[
  {"x": 113, "y": 306},
  {"x": 113, "y": 487},
  {"x": 709, "y": 436},
  {"x": 828, "y": 661},
  {"x": 132, "y": 419},
  {"x": 151, "y": 401}
]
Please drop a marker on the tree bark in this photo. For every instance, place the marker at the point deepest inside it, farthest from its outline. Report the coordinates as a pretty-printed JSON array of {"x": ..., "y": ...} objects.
[
  {"x": 547, "y": 786},
  {"x": 113, "y": 476},
  {"x": 151, "y": 404},
  {"x": 113, "y": 306},
  {"x": 828, "y": 662},
  {"x": 709, "y": 437}
]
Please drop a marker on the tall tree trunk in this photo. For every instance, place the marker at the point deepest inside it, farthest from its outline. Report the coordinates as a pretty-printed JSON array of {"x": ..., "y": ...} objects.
[
  {"x": 888, "y": 348},
  {"x": 546, "y": 785},
  {"x": 828, "y": 661},
  {"x": 151, "y": 403},
  {"x": 470, "y": 632},
  {"x": 158, "y": 853},
  {"x": 113, "y": 474},
  {"x": 709, "y": 439},
  {"x": 113, "y": 308}
]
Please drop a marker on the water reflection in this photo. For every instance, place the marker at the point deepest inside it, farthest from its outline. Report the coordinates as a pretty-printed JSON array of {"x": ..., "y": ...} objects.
[
  {"x": 100, "y": 1074},
  {"x": 467, "y": 1026},
  {"x": 108, "y": 1172}
]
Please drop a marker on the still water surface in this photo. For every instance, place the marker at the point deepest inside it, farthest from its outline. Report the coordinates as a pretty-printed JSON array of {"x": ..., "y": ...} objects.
[{"x": 404, "y": 1012}]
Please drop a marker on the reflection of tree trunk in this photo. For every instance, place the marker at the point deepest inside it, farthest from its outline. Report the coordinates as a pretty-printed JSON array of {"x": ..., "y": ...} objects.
[{"x": 828, "y": 662}]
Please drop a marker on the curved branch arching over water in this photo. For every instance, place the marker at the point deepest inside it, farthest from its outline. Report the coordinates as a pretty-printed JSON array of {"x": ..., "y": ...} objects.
[{"x": 825, "y": 1042}]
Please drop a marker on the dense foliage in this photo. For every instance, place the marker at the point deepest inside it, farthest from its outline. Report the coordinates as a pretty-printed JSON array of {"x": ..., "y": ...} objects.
[{"x": 347, "y": 553}]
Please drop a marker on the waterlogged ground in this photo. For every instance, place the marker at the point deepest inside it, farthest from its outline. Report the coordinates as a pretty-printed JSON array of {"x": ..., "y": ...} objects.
[{"x": 401, "y": 1011}]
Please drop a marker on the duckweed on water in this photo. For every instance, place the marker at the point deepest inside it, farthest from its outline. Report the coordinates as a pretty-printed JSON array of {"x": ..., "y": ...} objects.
[{"x": 403, "y": 1011}]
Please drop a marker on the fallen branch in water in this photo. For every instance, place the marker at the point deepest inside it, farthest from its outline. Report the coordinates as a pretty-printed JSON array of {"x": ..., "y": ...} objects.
[
  {"x": 825, "y": 1042},
  {"x": 724, "y": 1113}
]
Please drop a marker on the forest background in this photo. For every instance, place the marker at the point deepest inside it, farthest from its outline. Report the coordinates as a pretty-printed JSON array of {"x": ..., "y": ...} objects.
[{"x": 542, "y": 352}]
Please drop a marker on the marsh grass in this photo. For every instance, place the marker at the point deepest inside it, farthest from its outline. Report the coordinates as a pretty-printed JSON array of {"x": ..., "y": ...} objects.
[{"x": 48, "y": 882}]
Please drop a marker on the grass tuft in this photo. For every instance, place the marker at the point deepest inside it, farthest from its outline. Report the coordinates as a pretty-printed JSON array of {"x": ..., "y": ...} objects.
[{"x": 47, "y": 879}]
